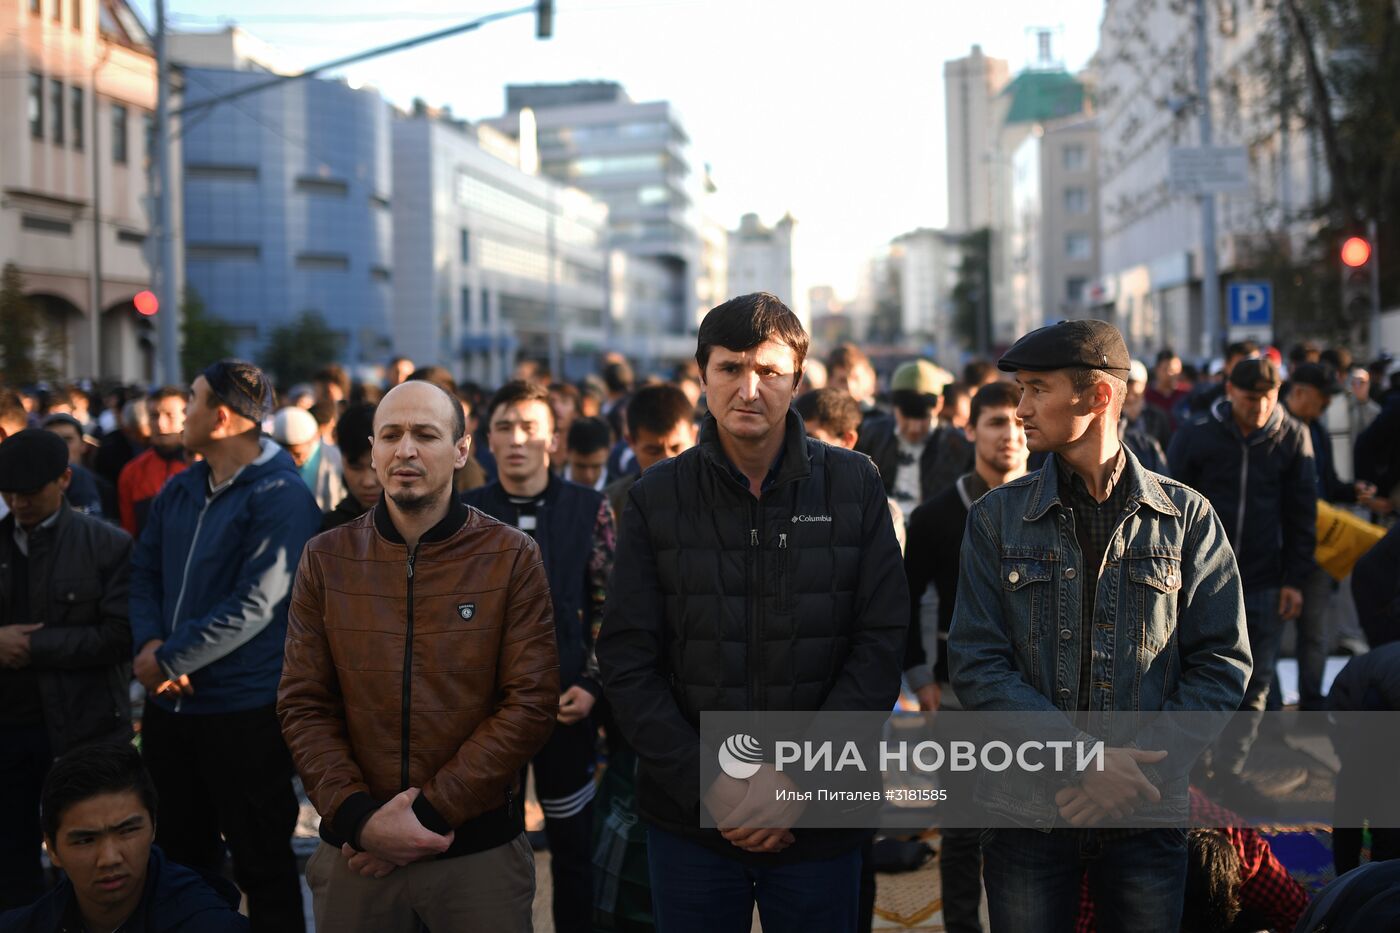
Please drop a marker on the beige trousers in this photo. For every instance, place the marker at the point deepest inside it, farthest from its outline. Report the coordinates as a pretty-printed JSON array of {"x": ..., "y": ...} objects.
[{"x": 489, "y": 891}]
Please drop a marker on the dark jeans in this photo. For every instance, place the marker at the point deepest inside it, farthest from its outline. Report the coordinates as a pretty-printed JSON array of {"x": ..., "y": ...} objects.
[
  {"x": 697, "y": 890},
  {"x": 564, "y": 784},
  {"x": 229, "y": 774},
  {"x": 960, "y": 874},
  {"x": 1313, "y": 640},
  {"x": 1265, "y": 634},
  {"x": 24, "y": 761},
  {"x": 1034, "y": 879}
]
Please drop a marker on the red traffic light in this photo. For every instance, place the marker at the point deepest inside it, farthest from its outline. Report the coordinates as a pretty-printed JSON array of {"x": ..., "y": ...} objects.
[
  {"x": 1356, "y": 252},
  {"x": 146, "y": 303}
]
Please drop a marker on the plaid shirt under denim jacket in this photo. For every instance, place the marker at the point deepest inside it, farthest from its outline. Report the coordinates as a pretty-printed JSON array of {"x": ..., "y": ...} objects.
[{"x": 1168, "y": 633}]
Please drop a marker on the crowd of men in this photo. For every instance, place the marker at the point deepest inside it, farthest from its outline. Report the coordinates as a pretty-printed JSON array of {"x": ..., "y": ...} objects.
[{"x": 414, "y": 596}]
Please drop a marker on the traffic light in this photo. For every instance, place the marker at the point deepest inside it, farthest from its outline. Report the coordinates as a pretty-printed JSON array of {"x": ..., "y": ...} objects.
[
  {"x": 544, "y": 19},
  {"x": 146, "y": 303},
  {"x": 1358, "y": 270}
]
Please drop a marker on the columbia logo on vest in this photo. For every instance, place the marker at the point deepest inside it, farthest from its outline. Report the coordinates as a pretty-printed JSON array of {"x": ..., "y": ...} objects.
[{"x": 798, "y": 519}]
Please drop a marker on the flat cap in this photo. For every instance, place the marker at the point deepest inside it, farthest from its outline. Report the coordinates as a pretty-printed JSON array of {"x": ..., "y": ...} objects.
[
  {"x": 1255, "y": 375},
  {"x": 919, "y": 376},
  {"x": 1316, "y": 375},
  {"x": 1069, "y": 345},
  {"x": 31, "y": 459}
]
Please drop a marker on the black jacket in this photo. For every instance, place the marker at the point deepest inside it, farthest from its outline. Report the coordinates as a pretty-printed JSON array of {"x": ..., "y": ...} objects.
[
  {"x": 947, "y": 455},
  {"x": 1263, "y": 487},
  {"x": 1375, "y": 585},
  {"x": 723, "y": 601},
  {"x": 176, "y": 900},
  {"x": 1378, "y": 447},
  {"x": 564, "y": 529},
  {"x": 932, "y": 553},
  {"x": 79, "y": 572}
]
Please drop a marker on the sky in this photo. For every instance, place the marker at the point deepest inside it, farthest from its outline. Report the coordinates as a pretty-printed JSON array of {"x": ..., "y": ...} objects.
[{"x": 832, "y": 111}]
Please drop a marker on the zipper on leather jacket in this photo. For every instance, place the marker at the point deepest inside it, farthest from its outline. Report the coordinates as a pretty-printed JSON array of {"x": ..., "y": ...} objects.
[{"x": 407, "y": 678}]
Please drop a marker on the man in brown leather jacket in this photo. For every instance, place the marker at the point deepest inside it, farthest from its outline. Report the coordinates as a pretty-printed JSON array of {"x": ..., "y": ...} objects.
[{"x": 421, "y": 676}]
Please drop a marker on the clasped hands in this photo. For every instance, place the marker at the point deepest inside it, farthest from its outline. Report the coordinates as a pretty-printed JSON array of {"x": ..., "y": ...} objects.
[
  {"x": 148, "y": 671},
  {"x": 751, "y": 813},
  {"x": 392, "y": 837},
  {"x": 1113, "y": 793}
]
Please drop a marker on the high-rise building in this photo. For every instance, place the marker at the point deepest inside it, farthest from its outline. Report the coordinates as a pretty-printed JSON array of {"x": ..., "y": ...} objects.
[
  {"x": 636, "y": 158},
  {"x": 77, "y": 110},
  {"x": 970, "y": 87},
  {"x": 1040, "y": 95},
  {"x": 288, "y": 197},
  {"x": 1053, "y": 241},
  {"x": 491, "y": 262},
  {"x": 760, "y": 258},
  {"x": 928, "y": 262}
]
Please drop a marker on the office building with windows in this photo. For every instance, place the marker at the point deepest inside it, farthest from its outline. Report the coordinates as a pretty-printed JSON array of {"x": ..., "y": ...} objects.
[
  {"x": 77, "y": 98},
  {"x": 636, "y": 158},
  {"x": 1053, "y": 242},
  {"x": 492, "y": 263},
  {"x": 287, "y": 206}
]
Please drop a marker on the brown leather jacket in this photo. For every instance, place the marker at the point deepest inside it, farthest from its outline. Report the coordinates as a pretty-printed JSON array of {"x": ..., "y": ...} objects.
[{"x": 456, "y": 708}]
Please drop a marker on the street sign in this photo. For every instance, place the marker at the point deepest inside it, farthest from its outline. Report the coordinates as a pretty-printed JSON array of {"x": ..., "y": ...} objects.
[
  {"x": 1251, "y": 304},
  {"x": 1208, "y": 170}
]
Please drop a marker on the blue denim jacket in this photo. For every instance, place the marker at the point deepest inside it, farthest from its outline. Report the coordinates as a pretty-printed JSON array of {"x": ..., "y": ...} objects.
[{"x": 1168, "y": 636}]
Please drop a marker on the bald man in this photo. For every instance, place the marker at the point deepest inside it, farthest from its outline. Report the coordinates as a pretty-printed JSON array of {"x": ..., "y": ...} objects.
[{"x": 421, "y": 676}]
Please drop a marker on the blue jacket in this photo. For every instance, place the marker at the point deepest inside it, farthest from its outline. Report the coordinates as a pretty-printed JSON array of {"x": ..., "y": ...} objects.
[
  {"x": 1264, "y": 487},
  {"x": 1169, "y": 632},
  {"x": 567, "y": 522},
  {"x": 176, "y": 900},
  {"x": 212, "y": 579}
]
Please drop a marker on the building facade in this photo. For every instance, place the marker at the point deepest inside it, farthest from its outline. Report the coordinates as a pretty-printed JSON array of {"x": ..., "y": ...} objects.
[
  {"x": 971, "y": 86},
  {"x": 1053, "y": 243},
  {"x": 636, "y": 158},
  {"x": 77, "y": 101},
  {"x": 492, "y": 263},
  {"x": 928, "y": 263},
  {"x": 1151, "y": 260},
  {"x": 287, "y": 208},
  {"x": 760, "y": 259}
]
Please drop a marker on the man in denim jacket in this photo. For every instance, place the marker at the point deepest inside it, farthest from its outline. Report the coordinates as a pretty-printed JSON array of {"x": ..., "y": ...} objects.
[{"x": 1094, "y": 593}]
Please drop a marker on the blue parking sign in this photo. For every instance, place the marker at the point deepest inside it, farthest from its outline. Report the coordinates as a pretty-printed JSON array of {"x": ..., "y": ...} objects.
[{"x": 1251, "y": 304}]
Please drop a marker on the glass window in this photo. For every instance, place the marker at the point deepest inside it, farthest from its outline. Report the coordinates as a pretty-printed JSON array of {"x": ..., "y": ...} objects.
[
  {"x": 1078, "y": 246},
  {"x": 34, "y": 6},
  {"x": 1074, "y": 289},
  {"x": 1075, "y": 159},
  {"x": 58, "y": 11},
  {"x": 119, "y": 134},
  {"x": 57, "y": 109},
  {"x": 328, "y": 187},
  {"x": 36, "y": 105},
  {"x": 148, "y": 136},
  {"x": 466, "y": 304},
  {"x": 466, "y": 246},
  {"x": 77, "y": 18},
  {"x": 75, "y": 96},
  {"x": 1076, "y": 201}
]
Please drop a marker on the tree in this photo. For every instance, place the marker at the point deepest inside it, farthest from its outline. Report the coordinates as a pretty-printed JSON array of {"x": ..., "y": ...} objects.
[
  {"x": 204, "y": 339},
  {"x": 295, "y": 351},
  {"x": 21, "y": 328},
  {"x": 972, "y": 294}
]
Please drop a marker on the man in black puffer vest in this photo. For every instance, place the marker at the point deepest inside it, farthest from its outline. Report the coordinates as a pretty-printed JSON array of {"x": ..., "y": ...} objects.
[
  {"x": 573, "y": 526},
  {"x": 756, "y": 571}
]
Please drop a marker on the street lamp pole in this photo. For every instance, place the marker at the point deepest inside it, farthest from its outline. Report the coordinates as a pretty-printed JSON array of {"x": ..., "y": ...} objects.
[{"x": 165, "y": 281}]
